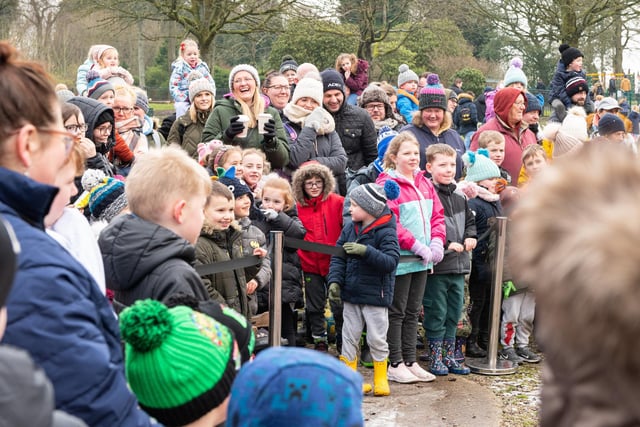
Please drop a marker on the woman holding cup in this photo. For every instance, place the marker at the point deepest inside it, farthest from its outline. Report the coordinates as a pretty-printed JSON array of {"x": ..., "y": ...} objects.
[{"x": 235, "y": 119}]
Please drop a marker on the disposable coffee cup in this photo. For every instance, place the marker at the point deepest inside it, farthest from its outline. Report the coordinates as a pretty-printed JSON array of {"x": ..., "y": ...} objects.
[
  {"x": 262, "y": 119},
  {"x": 245, "y": 121}
]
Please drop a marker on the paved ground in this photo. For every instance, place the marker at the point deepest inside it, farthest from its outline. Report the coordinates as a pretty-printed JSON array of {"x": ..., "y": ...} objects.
[{"x": 453, "y": 400}]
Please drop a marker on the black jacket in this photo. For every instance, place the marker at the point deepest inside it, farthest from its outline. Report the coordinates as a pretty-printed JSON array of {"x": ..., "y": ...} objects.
[{"x": 145, "y": 260}]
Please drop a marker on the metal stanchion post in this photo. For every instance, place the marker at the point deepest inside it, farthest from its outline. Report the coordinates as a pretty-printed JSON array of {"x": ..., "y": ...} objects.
[
  {"x": 491, "y": 365},
  {"x": 275, "y": 291}
]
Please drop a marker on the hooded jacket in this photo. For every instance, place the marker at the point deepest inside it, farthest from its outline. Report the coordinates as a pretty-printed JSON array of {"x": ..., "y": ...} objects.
[
  {"x": 188, "y": 133},
  {"x": 277, "y": 151},
  {"x": 368, "y": 279},
  {"x": 179, "y": 80},
  {"x": 145, "y": 260},
  {"x": 320, "y": 216},
  {"x": 58, "y": 314},
  {"x": 465, "y": 102}
]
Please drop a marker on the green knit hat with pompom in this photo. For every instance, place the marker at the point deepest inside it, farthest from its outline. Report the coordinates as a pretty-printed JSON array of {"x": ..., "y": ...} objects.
[{"x": 179, "y": 363}]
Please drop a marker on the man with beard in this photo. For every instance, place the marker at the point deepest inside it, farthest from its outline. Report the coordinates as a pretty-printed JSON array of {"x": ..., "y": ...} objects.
[{"x": 577, "y": 89}]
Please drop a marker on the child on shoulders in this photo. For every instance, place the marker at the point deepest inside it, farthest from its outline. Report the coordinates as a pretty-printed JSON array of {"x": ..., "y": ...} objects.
[{"x": 188, "y": 61}]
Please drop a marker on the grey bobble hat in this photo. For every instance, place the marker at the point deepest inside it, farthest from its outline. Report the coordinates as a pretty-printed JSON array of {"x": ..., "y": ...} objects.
[
  {"x": 198, "y": 83},
  {"x": 372, "y": 198},
  {"x": 406, "y": 75},
  {"x": 243, "y": 67}
]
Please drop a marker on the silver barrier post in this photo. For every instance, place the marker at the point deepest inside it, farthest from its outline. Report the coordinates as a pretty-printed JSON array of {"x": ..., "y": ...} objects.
[
  {"x": 491, "y": 365},
  {"x": 275, "y": 290}
]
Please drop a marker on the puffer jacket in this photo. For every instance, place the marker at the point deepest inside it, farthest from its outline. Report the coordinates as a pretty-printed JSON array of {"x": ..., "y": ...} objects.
[
  {"x": 179, "y": 80},
  {"x": 253, "y": 237},
  {"x": 368, "y": 279},
  {"x": 419, "y": 215},
  {"x": 465, "y": 102},
  {"x": 460, "y": 225},
  {"x": 320, "y": 216},
  {"x": 227, "y": 287},
  {"x": 145, "y": 260},
  {"x": 188, "y": 133},
  {"x": 559, "y": 81},
  {"x": 277, "y": 151}
]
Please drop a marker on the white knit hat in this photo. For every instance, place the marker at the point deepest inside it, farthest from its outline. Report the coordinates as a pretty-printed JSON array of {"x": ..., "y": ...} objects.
[
  {"x": 243, "y": 67},
  {"x": 309, "y": 88},
  {"x": 570, "y": 135},
  {"x": 198, "y": 83}
]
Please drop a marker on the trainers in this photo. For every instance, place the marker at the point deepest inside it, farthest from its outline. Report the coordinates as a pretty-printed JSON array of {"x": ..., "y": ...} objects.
[
  {"x": 420, "y": 373},
  {"x": 321, "y": 346},
  {"x": 401, "y": 374},
  {"x": 509, "y": 353},
  {"x": 527, "y": 355}
]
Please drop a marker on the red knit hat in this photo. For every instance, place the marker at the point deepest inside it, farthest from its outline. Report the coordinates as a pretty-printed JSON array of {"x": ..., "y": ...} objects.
[{"x": 504, "y": 99}]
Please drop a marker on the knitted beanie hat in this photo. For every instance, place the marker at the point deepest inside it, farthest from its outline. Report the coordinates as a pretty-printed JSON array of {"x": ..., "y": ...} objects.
[
  {"x": 331, "y": 79},
  {"x": 374, "y": 93},
  {"x": 432, "y": 97},
  {"x": 569, "y": 54},
  {"x": 385, "y": 135},
  {"x": 515, "y": 74},
  {"x": 433, "y": 80},
  {"x": 372, "y": 198},
  {"x": 142, "y": 101},
  {"x": 107, "y": 199},
  {"x": 96, "y": 85},
  {"x": 576, "y": 83},
  {"x": 97, "y": 50},
  {"x": 533, "y": 104},
  {"x": 610, "y": 123},
  {"x": 228, "y": 178},
  {"x": 569, "y": 135},
  {"x": 295, "y": 386},
  {"x": 479, "y": 166},
  {"x": 179, "y": 363},
  {"x": 288, "y": 63},
  {"x": 197, "y": 84},
  {"x": 406, "y": 75},
  {"x": 243, "y": 67},
  {"x": 308, "y": 87}
]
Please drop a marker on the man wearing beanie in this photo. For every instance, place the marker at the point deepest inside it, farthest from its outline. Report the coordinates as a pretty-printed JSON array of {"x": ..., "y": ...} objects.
[
  {"x": 354, "y": 126},
  {"x": 367, "y": 275},
  {"x": 179, "y": 363},
  {"x": 532, "y": 114},
  {"x": 568, "y": 80},
  {"x": 376, "y": 102},
  {"x": 509, "y": 105},
  {"x": 607, "y": 105},
  {"x": 141, "y": 110},
  {"x": 612, "y": 129},
  {"x": 433, "y": 124}
]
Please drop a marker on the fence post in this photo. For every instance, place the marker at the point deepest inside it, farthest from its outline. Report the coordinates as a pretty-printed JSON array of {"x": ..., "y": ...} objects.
[
  {"x": 275, "y": 290},
  {"x": 491, "y": 365}
]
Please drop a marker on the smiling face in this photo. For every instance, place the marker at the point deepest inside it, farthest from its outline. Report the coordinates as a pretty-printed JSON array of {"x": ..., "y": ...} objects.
[
  {"x": 273, "y": 198},
  {"x": 313, "y": 186},
  {"x": 252, "y": 169},
  {"x": 191, "y": 55},
  {"x": 307, "y": 103},
  {"x": 278, "y": 91},
  {"x": 219, "y": 212},
  {"x": 203, "y": 101},
  {"x": 432, "y": 118},
  {"x": 242, "y": 206},
  {"x": 244, "y": 86},
  {"x": 233, "y": 159},
  {"x": 516, "y": 111},
  {"x": 110, "y": 58},
  {"x": 76, "y": 125},
  {"x": 333, "y": 100}
]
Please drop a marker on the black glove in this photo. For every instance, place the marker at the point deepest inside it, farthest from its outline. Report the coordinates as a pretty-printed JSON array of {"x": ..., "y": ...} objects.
[
  {"x": 269, "y": 131},
  {"x": 235, "y": 127}
]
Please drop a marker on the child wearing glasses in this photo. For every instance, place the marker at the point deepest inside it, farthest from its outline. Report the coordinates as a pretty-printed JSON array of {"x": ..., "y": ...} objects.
[
  {"x": 319, "y": 209},
  {"x": 188, "y": 61}
]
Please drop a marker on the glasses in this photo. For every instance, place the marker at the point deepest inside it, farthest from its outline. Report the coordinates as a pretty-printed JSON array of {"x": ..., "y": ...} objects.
[
  {"x": 374, "y": 107},
  {"x": 122, "y": 110},
  {"x": 312, "y": 184},
  {"x": 104, "y": 130},
  {"x": 280, "y": 88},
  {"x": 76, "y": 129},
  {"x": 519, "y": 104},
  {"x": 67, "y": 138}
]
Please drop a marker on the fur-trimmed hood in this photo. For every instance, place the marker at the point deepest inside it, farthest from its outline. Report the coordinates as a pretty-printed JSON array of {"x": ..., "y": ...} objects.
[{"x": 307, "y": 171}]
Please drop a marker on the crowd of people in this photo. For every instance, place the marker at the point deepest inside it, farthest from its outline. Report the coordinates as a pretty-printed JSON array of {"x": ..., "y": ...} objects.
[{"x": 375, "y": 171}]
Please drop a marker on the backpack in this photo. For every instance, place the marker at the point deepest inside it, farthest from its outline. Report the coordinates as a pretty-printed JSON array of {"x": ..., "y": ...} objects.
[{"x": 465, "y": 115}]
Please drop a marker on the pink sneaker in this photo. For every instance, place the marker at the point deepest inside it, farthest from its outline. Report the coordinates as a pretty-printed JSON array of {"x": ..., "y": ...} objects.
[
  {"x": 401, "y": 374},
  {"x": 420, "y": 373}
]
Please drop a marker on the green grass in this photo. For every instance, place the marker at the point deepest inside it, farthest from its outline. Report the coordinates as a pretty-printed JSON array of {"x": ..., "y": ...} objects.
[{"x": 164, "y": 106}]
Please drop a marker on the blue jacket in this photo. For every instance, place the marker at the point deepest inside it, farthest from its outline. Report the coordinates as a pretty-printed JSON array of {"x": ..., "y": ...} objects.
[
  {"x": 368, "y": 279},
  {"x": 58, "y": 314}
]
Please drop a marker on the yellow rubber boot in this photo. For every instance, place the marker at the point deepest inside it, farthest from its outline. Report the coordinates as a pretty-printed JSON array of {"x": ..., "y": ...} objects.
[
  {"x": 380, "y": 382},
  {"x": 353, "y": 364}
]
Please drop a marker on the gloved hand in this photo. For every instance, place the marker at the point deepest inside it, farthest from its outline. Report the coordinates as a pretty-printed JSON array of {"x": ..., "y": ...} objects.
[
  {"x": 437, "y": 251},
  {"x": 235, "y": 127},
  {"x": 315, "y": 119},
  {"x": 507, "y": 288},
  {"x": 269, "y": 214},
  {"x": 269, "y": 132},
  {"x": 334, "y": 292},
  {"x": 422, "y": 251},
  {"x": 353, "y": 248}
]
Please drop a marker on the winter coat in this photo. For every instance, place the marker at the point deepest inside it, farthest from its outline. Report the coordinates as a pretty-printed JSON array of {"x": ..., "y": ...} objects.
[
  {"x": 154, "y": 138},
  {"x": 187, "y": 133},
  {"x": 559, "y": 81},
  {"x": 253, "y": 237},
  {"x": 277, "y": 151},
  {"x": 360, "y": 80},
  {"x": 481, "y": 107},
  {"x": 515, "y": 143},
  {"x": 447, "y": 136},
  {"x": 81, "y": 77},
  {"x": 58, "y": 314},
  {"x": 227, "y": 287},
  {"x": 291, "y": 226},
  {"x": 407, "y": 105},
  {"x": 365, "y": 175},
  {"x": 483, "y": 210},
  {"x": 465, "y": 102},
  {"x": 368, "y": 279},
  {"x": 324, "y": 149},
  {"x": 460, "y": 225},
  {"x": 145, "y": 260},
  {"x": 358, "y": 136},
  {"x": 320, "y": 216},
  {"x": 419, "y": 215},
  {"x": 179, "y": 80}
]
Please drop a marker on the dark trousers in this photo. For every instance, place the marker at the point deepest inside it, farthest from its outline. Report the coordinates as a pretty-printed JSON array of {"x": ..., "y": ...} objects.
[{"x": 480, "y": 295}]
